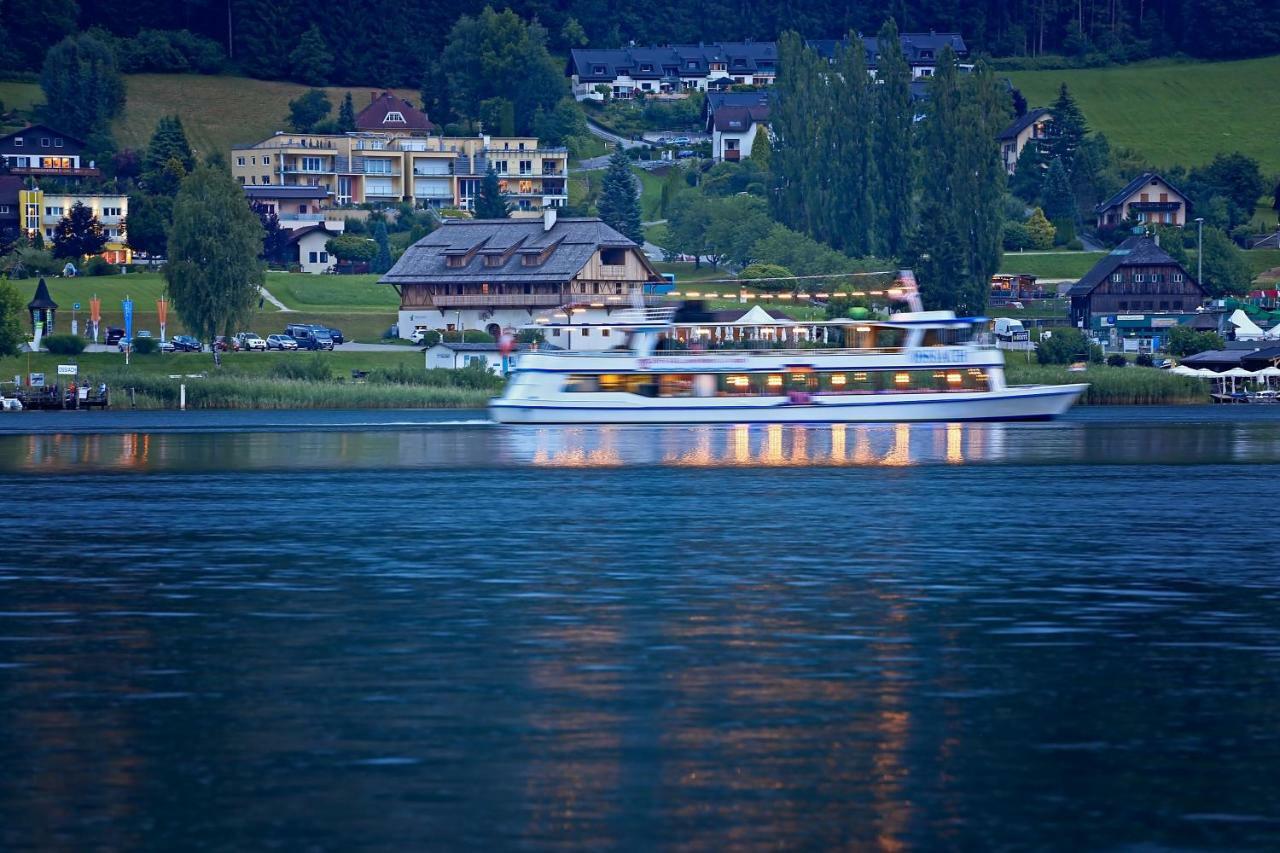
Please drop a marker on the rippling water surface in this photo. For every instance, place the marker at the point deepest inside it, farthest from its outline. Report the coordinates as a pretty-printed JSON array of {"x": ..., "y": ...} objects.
[{"x": 340, "y": 631}]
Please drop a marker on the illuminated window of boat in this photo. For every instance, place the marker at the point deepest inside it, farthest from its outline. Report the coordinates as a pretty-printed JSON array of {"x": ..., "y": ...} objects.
[
  {"x": 775, "y": 381},
  {"x": 837, "y": 379},
  {"x": 859, "y": 377},
  {"x": 954, "y": 378},
  {"x": 902, "y": 379}
]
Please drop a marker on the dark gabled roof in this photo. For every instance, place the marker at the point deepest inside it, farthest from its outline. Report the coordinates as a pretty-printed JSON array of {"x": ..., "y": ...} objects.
[
  {"x": 9, "y": 187},
  {"x": 1022, "y": 123},
  {"x": 42, "y": 299},
  {"x": 757, "y": 98},
  {"x": 1225, "y": 358},
  {"x": 1132, "y": 187},
  {"x": 298, "y": 233},
  {"x": 918, "y": 48},
  {"x": 671, "y": 60},
  {"x": 374, "y": 116},
  {"x": 738, "y": 119},
  {"x": 1267, "y": 355},
  {"x": 1136, "y": 251},
  {"x": 568, "y": 245},
  {"x": 282, "y": 191},
  {"x": 52, "y": 131}
]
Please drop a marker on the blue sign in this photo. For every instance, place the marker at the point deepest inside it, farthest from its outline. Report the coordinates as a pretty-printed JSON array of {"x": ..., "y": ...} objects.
[
  {"x": 127, "y": 305},
  {"x": 75, "y": 307}
]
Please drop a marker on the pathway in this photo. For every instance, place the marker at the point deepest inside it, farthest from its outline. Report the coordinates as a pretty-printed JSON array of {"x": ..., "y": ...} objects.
[
  {"x": 610, "y": 136},
  {"x": 266, "y": 294}
]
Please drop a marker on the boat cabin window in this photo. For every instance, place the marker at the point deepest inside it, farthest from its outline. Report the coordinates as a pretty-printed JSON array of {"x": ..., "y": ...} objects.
[
  {"x": 825, "y": 382},
  {"x": 947, "y": 337}
]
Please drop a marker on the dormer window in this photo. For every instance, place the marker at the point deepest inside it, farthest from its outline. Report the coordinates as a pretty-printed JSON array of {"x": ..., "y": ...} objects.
[
  {"x": 456, "y": 261},
  {"x": 646, "y": 67},
  {"x": 597, "y": 69},
  {"x": 494, "y": 260},
  {"x": 394, "y": 117}
]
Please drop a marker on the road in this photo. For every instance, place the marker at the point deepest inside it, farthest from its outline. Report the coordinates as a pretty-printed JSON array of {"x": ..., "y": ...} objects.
[{"x": 610, "y": 136}]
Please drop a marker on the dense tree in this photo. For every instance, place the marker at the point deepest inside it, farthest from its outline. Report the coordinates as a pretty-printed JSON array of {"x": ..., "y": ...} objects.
[
  {"x": 852, "y": 110},
  {"x": 78, "y": 234},
  {"x": 562, "y": 125},
  {"x": 382, "y": 257},
  {"x": 213, "y": 274},
  {"x": 1225, "y": 269},
  {"x": 735, "y": 225},
  {"x": 895, "y": 171},
  {"x": 148, "y": 225},
  {"x": 496, "y": 54},
  {"x": 1028, "y": 176},
  {"x": 311, "y": 62},
  {"x": 352, "y": 249},
  {"x": 308, "y": 109},
  {"x": 275, "y": 240},
  {"x": 12, "y": 313},
  {"x": 1234, "y": 178},
  {"x": 168, "y": 143},
  {"x": 572, "y": 34},
  {"x": 1040, "y": 230},
  {"x": 688, "y": 217},
  {"x": 490, "y": 202},
  {"x": 958, "y": 242},
  {"x": 1060, "y": 202},
  {"x": 1068, "y": 129},
  {"x": 347, "y": 115},
  {"x": 82, "y": 86},
  {"x": 619, "y": 204}
]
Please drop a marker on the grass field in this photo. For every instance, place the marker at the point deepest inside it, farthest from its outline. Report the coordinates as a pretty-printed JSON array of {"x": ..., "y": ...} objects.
[
  {"x": 1174, "y": 112},
  {"x": 216, "y": 111},
  {"x": 1050, "y": 265}
]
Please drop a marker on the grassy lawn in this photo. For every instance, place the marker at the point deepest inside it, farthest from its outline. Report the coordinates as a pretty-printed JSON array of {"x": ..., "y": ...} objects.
[
  {"x": 1174, "y": 112},
  {"x": 1259, "y": 260},
  {"x": 165, "y": 364},
  {"x": 216, "y": 111},
  {"x": 650, "y": 194},
  {"x": 1050, "y": 265},
  {"x": 657, "y": 234},
  {"x": 327, "y": 292}
]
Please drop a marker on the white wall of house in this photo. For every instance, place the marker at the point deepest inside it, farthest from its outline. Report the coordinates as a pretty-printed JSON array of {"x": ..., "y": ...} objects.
[
  {"x": 726, "y": 140},
  {"x": 441, "y": 356},
  {"x": 312, "y": 254},
  {"x": 502, "y": 319}
]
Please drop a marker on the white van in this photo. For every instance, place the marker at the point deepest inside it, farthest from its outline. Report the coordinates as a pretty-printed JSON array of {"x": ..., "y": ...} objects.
[{"x": 1010, "y": 330}]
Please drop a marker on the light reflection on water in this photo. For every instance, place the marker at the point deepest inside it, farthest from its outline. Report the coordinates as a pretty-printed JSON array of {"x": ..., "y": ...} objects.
[
  {"x": 418, "y": 635},
  {"x": 771, "y": 446}
]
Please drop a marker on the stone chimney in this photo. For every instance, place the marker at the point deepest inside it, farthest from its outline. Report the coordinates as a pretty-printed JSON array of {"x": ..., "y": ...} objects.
[{"x": 548, "y": 218}]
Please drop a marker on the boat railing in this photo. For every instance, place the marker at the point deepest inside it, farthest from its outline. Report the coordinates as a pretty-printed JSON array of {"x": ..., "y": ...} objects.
[
  {"x": 657, "y": 316},
  {"x": 808, "y": 352}
]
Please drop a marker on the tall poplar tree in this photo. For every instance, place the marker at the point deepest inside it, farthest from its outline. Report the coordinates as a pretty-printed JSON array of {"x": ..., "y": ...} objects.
[
  {"x": 347, "y": 115},
  {"x": 798, "y": 114},
  {"x": 619, "y": 204},
  {"x": 213, "y": 274},
  {"x": 894, "y": 154},
  {"x": 853, "y": 229}
]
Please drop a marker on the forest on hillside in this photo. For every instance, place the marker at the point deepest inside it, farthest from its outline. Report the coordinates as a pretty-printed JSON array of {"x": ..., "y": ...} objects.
[{"x": 376, "y": 42}]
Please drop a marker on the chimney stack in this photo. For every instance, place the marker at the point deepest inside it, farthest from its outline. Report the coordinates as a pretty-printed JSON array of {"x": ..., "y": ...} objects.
[
  {"x": 373, "y": 96},
  {"x": 548, "y": 218}
]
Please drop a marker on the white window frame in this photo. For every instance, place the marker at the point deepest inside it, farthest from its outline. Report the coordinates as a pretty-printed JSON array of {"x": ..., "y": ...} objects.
[{"x": 394, "y": 116}]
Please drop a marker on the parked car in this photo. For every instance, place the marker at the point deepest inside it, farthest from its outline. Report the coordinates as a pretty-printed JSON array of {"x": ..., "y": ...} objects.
[
  {"x": 309, "y": 336},
  {"x": 114, "y": 335},
  {"x": 125, "y": 344},
  {"x": 336, "y": 334},
  {"x": 682, "y": 140},
  {"x": 166, "y": 346},
  {"x": 281, "y": 342},
  {"x": 186, "y": 343},
  {"x": 250, "y": 341},
  {"x": 685, "y": 152},
  {"x": 221, "y": 344}
]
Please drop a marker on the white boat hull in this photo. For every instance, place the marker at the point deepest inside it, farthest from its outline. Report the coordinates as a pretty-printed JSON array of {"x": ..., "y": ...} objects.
[{"x": 1034, "y": 402}]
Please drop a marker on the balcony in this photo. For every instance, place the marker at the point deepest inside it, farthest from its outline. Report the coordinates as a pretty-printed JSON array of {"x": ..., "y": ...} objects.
[
  {"x": 41, "y": 172},
  {"x": 732, "y": 155},
  {"x": 496, "y": 300}
]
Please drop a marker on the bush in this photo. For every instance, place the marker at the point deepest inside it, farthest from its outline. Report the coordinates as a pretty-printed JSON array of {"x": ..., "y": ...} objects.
[
  {"x": 314, "y": 369},
  {"x": 1117, "y": 360},
  {"x": 1016, "y": 237},
  {"x": 145, "y": 346},
  {"x": 98, "y": 266},
  {"x": 1145, "y": 360},
  {"x": 1183, "y": 340},
  {"x": 65, "y": 344},
  {"x": 1066, "y": 346},
  {"x": 1075, "y": 244}
]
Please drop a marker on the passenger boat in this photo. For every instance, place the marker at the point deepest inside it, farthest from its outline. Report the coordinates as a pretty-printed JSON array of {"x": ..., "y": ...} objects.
[{"x": 915, "y": 366}]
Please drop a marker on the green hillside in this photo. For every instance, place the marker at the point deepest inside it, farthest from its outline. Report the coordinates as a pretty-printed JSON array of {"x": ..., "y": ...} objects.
[
  {"x": 216, "y": 111},
  {"x": 1174, "y": 112}
]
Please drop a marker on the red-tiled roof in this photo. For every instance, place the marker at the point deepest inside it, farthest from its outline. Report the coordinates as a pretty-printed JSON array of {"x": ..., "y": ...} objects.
[{"x": 388, "y": 112}]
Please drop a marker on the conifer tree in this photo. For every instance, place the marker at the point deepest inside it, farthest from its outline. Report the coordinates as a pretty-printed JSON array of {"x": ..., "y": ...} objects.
[
  {"x": 311, "y": 62},
  {"x": 619, "y": 204},
  {"x": 1066, "y": 130},
  {"x": 347, "y": 115},
  {"x": 1041, "y": 230},
  {"x": 1060, "y": 202},
  {"x": 491, "y": 203},
  {"x": 762, "y": 150},
  {"x": 1028, "y": 174},
  {"x": 213, "y": 274},
  {"x": 168, "y": 143},
  {"x": 78, "y": 234},
  {"x": 894, "y": 154},
  {"x": 382, "y": 259}
]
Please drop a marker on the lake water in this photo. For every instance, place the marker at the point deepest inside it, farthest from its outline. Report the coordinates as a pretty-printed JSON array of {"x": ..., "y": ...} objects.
[{"x": 405, "y": 630}]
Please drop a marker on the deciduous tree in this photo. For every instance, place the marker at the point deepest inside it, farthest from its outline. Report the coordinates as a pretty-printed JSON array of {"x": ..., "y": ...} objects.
[
  {"x": 149, "y": 219},
  {"x": 213, "y": 275},
  {"x": 311, "y": 62},
  {"x": 12, "y": 312},
  {"x": 82, "y": 85},
  {"x": 308, "y": 109},
  {"x": 78, "y": 234}
]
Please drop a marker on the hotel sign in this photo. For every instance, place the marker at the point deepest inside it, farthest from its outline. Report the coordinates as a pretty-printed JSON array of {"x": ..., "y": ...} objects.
[{"x": 940, "y": 355}]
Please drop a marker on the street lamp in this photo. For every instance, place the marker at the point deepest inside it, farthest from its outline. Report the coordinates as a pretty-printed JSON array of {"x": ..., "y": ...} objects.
[{"x": 1200, "y": 251}]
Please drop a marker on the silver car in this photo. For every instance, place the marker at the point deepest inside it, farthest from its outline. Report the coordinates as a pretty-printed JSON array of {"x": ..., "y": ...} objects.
[{"x": 281, "y": 342}]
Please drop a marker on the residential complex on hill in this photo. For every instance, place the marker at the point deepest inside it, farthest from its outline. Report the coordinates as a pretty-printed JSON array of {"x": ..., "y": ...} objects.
[{"x": 672, "y": 69}]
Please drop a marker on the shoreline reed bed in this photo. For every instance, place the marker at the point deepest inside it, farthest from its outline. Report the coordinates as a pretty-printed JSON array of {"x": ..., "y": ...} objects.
[{"x": 1115, "y": 386}]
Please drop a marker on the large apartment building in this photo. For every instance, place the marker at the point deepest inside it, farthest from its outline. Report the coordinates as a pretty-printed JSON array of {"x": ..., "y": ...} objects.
[
  {"x": 40, "y": 212},
  {"x": 386, "y": 167}
]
